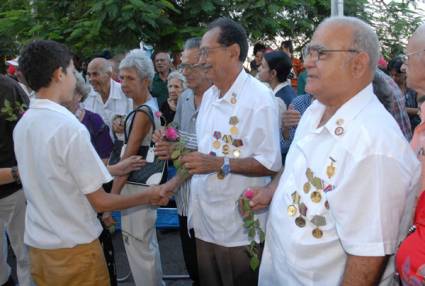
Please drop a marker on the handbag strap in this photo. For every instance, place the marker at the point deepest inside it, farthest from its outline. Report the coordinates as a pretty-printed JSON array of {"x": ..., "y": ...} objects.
[{"x": 140, "y": 108}]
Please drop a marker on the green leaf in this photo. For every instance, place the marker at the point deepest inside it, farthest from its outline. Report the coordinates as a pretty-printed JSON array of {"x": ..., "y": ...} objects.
[
  {"x": 262, "y": 235},
  {"x": 175, "y": 154},
  {"x": 254, "y": 263},
  {"x": 251, "y": 233},
  {"x": 245, "y": 205}
]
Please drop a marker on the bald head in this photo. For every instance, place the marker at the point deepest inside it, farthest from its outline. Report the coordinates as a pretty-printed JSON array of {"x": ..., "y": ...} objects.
[
  {"x": 363, "y": 37},
  {"x": 99, "y": 72},
  {"x": 416, "y": 60}
]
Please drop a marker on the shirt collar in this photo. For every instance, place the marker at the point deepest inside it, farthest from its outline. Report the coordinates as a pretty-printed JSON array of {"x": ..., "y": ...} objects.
[
  {"x": 338, "y": 124},
  {"x": 279, "y": 87},
  {"x": 38, "y": 103},
  {"x": 235, "y": 90}
]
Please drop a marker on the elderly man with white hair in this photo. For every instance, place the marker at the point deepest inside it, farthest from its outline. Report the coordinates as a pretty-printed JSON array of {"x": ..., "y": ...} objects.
[
  {"x": 108, "y": 100},
  {"x": 346, "y": 193}
]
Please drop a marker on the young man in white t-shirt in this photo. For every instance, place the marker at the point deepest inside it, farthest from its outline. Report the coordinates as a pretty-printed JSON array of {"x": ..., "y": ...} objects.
[{"x": 62, "y": 176}]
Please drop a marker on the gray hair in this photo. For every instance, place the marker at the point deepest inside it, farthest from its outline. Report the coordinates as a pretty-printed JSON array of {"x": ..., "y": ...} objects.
[
  {"x": 81, "y": 87},
  {"x": 138, "y": 60},
  {"x": 178, "y": 75},
  {"x": 192, "y": 43},
  {"x": 364, "y": 37}
]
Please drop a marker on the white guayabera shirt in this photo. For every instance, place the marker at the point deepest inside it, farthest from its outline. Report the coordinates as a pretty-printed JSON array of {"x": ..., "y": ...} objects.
[
  {"x": 348, "y": 188},
  {"x": 245, "y": 120}
]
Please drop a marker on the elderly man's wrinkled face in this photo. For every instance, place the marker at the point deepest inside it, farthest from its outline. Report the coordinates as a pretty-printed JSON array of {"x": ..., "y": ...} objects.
[
  {"x": 415, "y": 64},
  {"x": 98, "y": 76},
  {"x": 191, "y": 69},
  {"x": 214, "y": 57},
  {"x": 329, "y": 73},
  {"x": 162, "y": 62}
]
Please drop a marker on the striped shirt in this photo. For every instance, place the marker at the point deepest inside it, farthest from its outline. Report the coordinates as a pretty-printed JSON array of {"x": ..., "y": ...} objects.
[{"x": 185, "y": 122}]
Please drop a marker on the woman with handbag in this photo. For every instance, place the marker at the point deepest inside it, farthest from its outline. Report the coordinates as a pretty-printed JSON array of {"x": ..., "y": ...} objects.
[{"x": 138, "y": 224}]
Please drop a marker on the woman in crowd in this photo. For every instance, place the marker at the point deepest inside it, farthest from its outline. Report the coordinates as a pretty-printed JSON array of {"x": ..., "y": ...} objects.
[
  {"x": 138, "y": 224},
  {"x": 176, "y": 86}
]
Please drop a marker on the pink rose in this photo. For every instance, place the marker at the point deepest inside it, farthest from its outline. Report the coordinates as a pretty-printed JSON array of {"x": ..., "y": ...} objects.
[
  {"x": 249, "y": 193},
  {"x": 158, "y": 114},
  {"x": 171, "y": 134}
]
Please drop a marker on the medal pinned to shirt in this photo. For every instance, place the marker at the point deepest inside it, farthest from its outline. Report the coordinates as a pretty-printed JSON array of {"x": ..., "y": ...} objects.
[
  {"x": 216, "y": 144},
  {"x": 237, "y": 143},
  {"x": 233, "y": 99},
  {"x": 339, "y": 130},
  {"x": 318, "y": 221},
  {"x": 234, "y": 121},
  {"x": 330, "y": 169}
]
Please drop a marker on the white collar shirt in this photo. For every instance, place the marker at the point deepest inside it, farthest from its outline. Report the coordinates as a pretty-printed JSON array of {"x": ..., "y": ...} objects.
[
  {"x": 352, "y": 182},
  {"x": 116, "y": 104},
  {"x": 279, "y": 87},
  {"x": 58, "y": 167},
  {"x": 213, "y": 210}
]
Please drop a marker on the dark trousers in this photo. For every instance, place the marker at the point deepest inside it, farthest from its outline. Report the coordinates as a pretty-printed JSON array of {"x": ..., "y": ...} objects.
[
  {"x": 189, "y": 250},
  {"x": 224, "y": 266}
]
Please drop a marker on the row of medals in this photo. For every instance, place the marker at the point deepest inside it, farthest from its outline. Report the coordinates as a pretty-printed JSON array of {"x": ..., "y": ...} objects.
[
  {"x": 299, "y": 207},
  {"x": 226, "y": 141}
]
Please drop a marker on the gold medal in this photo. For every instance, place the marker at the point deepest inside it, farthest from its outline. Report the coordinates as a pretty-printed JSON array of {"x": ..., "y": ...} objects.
[
  {"x": 330, "y": 170},
  {"x": 225, "y": 149},
  {"x": 300, "y": 221},
  {"x": 316, "y": 197},
  {"x": 233, "y": 99},
  {"x": 317, "y": 233},
  {"x": 292, "y": 210},
  {"x": 234, "y": 130},
  {"x": 236, "y": 153},
  {"x": 306, "y": 187},
  {"x": 317, "y": 183},
  {"x": 216, "y": 144}
]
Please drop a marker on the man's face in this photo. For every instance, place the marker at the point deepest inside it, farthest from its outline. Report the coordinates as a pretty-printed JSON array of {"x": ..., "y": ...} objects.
[
  {"x": 214, "y": 56},
  {"x": 415, "y": 64},
  {"x": 98, "y": 76},
  {"x": 264, "y": 71},
  {"x": 162, "y": 62},
  {"x": 191, "y": 69},
  {"x": 68, "y": 83},
  {"x": 258, "y": 57},
  {"x": 329, "y": 75},
  {"x": 398, "y": 77}
]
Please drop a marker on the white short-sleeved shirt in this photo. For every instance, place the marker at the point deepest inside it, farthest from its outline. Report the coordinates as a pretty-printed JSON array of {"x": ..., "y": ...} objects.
[
  {"x": 214, "y": 213},
  {"x": 357, "y": 178},
  {"x": 117, "y": 104},
  {"x": 58, "y": 167}
]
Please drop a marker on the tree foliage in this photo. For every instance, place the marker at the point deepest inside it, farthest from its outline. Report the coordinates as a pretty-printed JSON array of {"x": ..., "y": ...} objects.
[{"x": 90, "y": 26}]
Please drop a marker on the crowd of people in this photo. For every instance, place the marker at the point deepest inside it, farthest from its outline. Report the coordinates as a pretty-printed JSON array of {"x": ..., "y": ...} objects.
[{"x": 328, "y": 151}]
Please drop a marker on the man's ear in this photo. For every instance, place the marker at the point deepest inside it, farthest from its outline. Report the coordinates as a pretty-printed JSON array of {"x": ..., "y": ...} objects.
[
  {"x": 274, "y": 73},
  {"x": 360, "y": 64},
  {"x": 235, "y": 51},
  {"x": 58, "y": 74}
]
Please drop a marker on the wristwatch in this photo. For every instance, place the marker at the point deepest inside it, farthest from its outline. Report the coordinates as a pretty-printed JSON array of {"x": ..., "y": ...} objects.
[
  {"x": 15, "y": 174},
  {"x": 225, "y": 169}
]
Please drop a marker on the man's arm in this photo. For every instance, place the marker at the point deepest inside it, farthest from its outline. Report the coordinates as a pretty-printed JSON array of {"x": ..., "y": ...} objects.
[
  {"x": 198, "y": 163},
  {"x": 6, "y": 176},
  {"x": 364, "y": 270},
  {"x": 104, "y": 202}
]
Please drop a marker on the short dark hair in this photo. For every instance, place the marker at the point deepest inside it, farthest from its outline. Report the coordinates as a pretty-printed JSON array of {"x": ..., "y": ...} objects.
[
  {"x": 395, "y": 64},
  {"x": 280, "y": 62},
  {"x": 231, "y": 33},
  {"x": 288, "y": 45},
  {"x": 40, "y": 59},
  {"x": 259, "y": 47}
]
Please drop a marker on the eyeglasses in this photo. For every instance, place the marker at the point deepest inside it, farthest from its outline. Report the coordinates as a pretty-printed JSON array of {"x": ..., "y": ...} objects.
[
  {"x": 317, "y": 52},
  {"x": 408, "y": 55},
  {"x": 204, "y": 52},
  {"x": 188, "y": 67}
]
